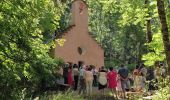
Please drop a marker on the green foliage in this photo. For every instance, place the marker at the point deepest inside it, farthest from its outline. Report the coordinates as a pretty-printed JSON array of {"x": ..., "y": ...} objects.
[
  {"x": 167, "y": 7},
  {"x": 162, "y": 94},
  {"x": 61, "y": 96},
  {"x": 132, "y": 18},
  {"x": 120, "y": 41},
  {"x": 64, "y": 22},
  {"x": 24, "y": 60},
  {"x": 157, "y": 54},
  {"x": 28, "y": 25},
  {"x": 164, "y": 90}
]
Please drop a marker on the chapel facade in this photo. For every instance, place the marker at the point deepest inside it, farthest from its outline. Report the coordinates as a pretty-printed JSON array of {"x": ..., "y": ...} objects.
[{"x": 79, "y": 45}]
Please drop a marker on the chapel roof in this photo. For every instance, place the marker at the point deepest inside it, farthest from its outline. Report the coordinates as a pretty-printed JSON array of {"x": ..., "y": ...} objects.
[
  {"x": 82, "y": 1},
  {"x": 65, "y": 31},
  {"x": 69, "y": 28}
]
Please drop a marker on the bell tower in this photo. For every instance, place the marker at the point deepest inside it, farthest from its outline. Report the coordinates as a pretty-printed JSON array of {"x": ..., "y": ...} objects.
[{"x": 79, "y": 14}]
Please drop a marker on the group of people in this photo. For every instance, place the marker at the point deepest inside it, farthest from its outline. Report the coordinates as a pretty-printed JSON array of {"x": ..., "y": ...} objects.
[{"x": 83, "y": 78}]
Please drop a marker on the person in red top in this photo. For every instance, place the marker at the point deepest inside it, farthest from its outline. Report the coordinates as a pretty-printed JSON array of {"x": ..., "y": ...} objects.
[
  {"x": 70, "y": 76},
  {"x": 112, "y": 80}
]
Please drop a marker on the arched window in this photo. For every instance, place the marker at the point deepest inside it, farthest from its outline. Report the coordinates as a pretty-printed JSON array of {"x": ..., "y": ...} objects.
[{"x": 81, "y": 50}]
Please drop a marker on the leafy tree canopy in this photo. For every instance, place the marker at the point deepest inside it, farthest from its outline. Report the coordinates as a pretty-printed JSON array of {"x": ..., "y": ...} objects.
[{"x": 26, "y": 26}]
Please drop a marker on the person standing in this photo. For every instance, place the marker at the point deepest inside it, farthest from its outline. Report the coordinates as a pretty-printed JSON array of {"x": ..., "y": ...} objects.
[
  {"x": 143, "y": 82},
  {"x": 81, "y": 79},
  {"x": 136, "y": 78},
  {"x": 157, "y": 74},
  {"x": 102, "y": 79},
  {"x": 139, "y": 82},
  {"x": 143, "y": 70},
  {"x": 88, "y": 80},
  {"x": 123, "y": 73},
  {"x": 94, "y": 70},
  {"x": 70, "y": 76},
  {"x": 65, "y": 73},
  {"x": 112, "y": 81},
  {"x": 119, "y": 87},
  {"x": 136, "y": 71},
  {"x": 151, "y": 78},
  {"x": 76, "y": 76}
]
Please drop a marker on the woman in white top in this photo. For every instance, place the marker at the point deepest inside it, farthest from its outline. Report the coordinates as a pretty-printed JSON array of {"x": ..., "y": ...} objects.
[
  {"x": 139, "y": 82},
  {"x": 102, "y": 79}
]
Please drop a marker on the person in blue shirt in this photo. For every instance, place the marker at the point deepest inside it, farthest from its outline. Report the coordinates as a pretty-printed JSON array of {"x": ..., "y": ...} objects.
[{"x": 123, "y": 73}]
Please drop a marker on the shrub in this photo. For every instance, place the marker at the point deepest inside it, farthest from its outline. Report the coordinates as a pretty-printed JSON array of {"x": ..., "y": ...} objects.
[{"x": 163, "y": 93}]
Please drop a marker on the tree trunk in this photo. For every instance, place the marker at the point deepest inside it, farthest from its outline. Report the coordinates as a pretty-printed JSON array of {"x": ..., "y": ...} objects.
[
  {"x": 165, "y": 35},
  {"x": 148, "y": 33}
]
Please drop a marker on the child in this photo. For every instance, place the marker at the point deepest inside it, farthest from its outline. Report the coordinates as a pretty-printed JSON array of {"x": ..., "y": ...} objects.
[{"x": 119, "y": 87}]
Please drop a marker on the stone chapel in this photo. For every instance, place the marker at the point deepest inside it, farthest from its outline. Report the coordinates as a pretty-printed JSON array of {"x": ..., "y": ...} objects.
[{"x": 79, "y": 45}]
